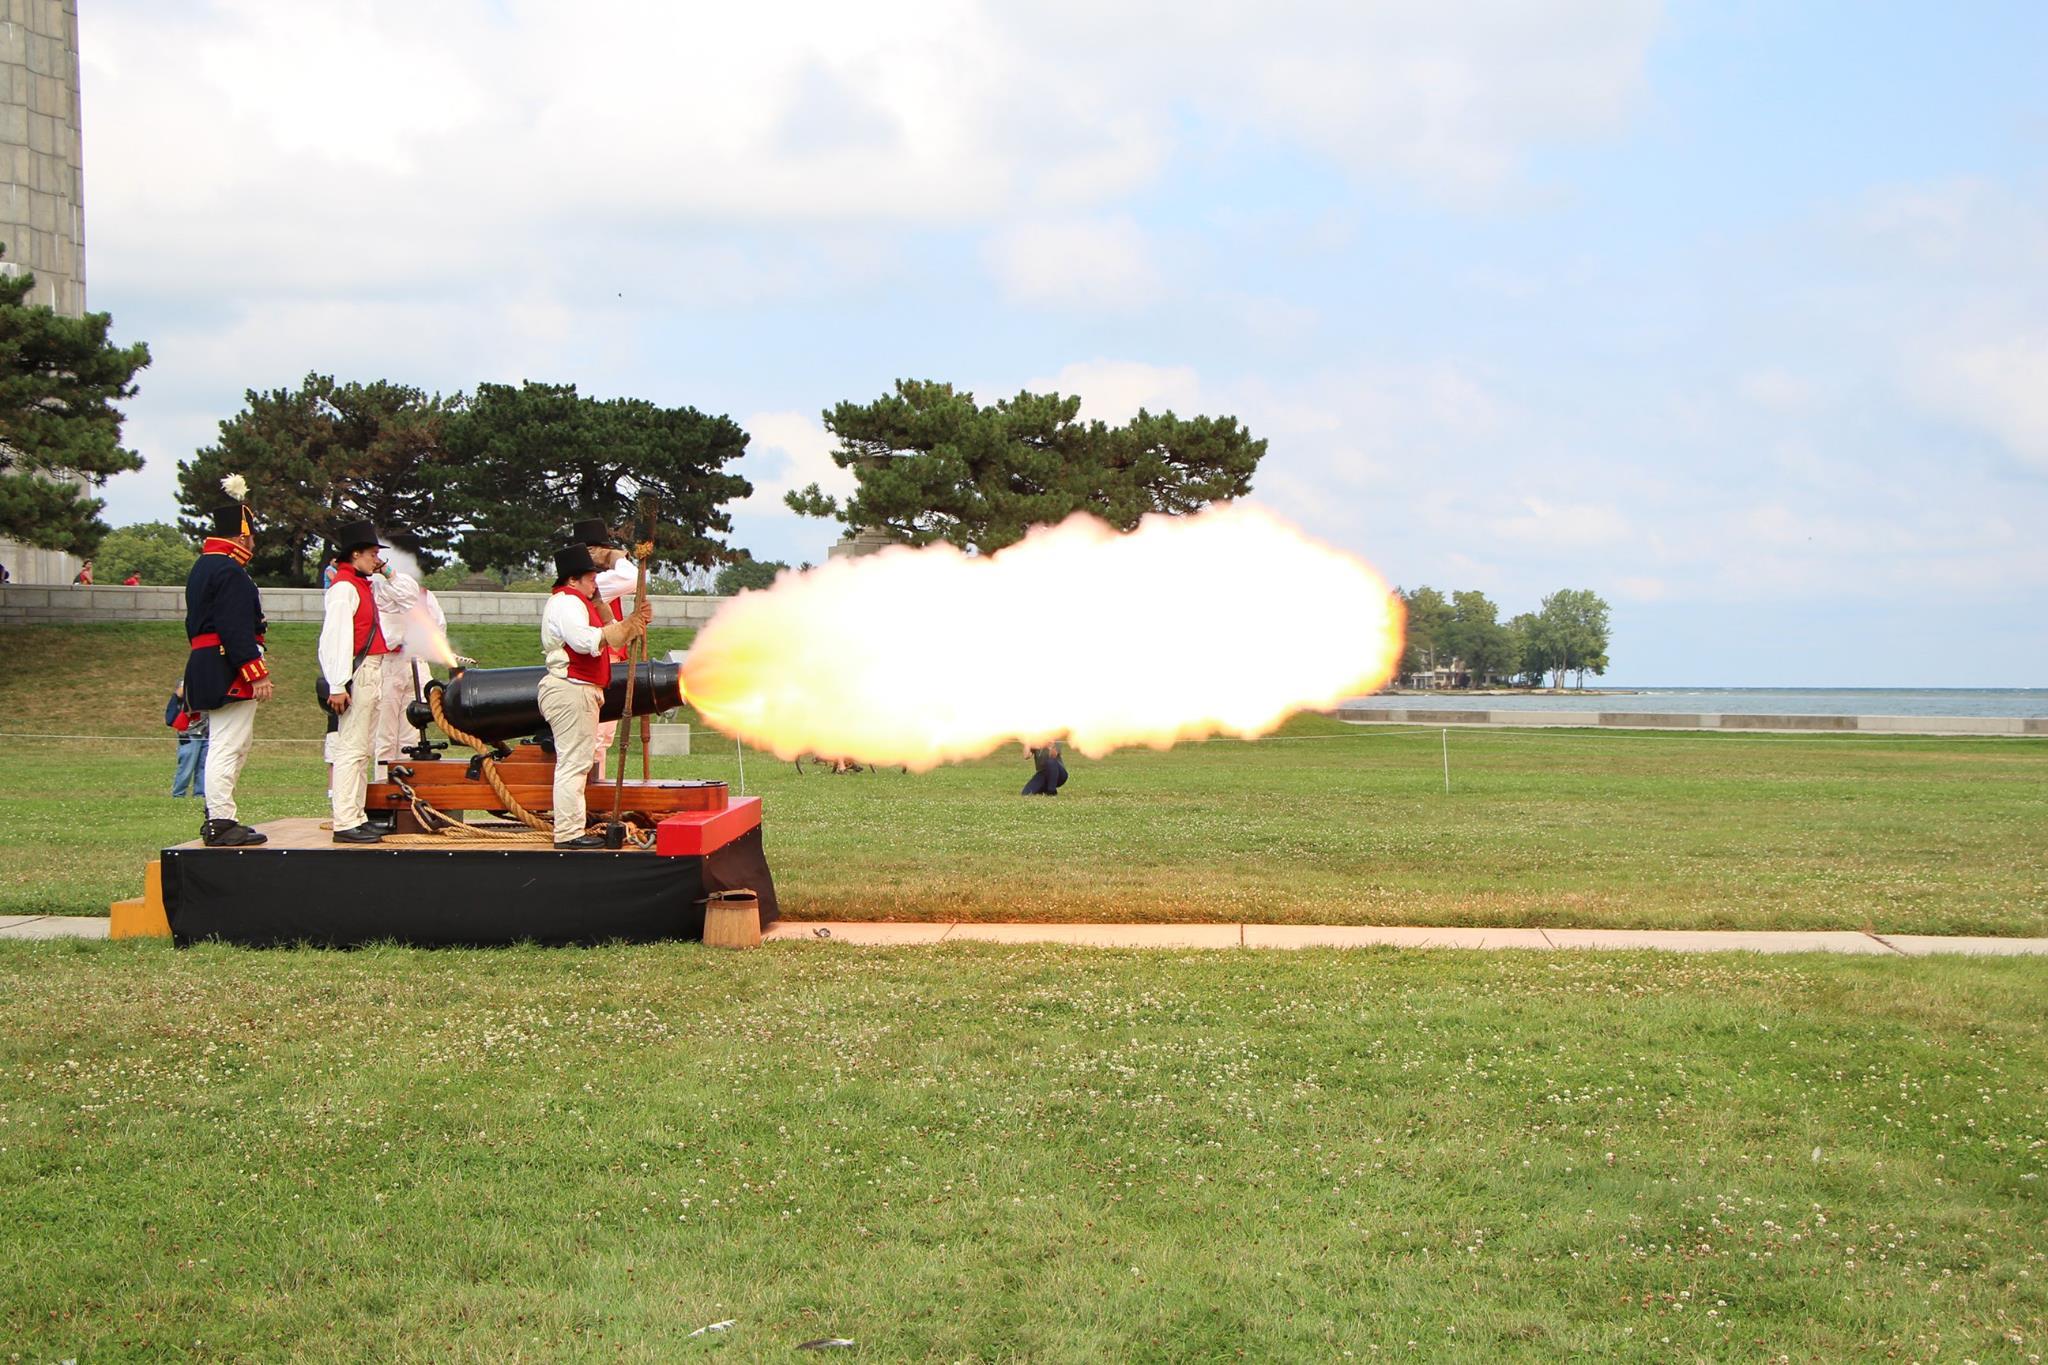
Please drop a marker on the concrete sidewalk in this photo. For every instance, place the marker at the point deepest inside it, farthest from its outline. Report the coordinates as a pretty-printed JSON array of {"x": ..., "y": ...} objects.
[
  {"x": 875, "y": 933},
  {"x": 53, "y": 926}
]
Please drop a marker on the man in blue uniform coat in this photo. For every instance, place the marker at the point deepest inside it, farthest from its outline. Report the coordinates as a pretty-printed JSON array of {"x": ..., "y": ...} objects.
[{"x": 225, "y": 676}]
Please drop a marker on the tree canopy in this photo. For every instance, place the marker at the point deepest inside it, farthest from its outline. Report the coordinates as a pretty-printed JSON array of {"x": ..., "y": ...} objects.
[
  {"x": 1429, "y": 619},
  {"x": 60, "y": 378},
  {"x": 933, "y": 465},
  {"x": 1476, "y": 637},
  {"x": 155, "y": 551},
  {"x": 747, "y": 575},
  {"x": 1570, "y": 633},
  {"x": 322, "y": 454},
  {"x": 1464, "y": 632},
  {"x": 523, "y": 462}
]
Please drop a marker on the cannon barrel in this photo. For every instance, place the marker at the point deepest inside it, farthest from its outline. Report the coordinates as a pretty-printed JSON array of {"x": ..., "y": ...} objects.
[{"x": 504, "y": 703}]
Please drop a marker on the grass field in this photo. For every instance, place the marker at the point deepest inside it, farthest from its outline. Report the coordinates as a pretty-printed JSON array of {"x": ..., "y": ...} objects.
[
  {"x": 1321, "y": 823},
  {"x": 984, "y": 1153},
  {"x": 979, "y": 1153}
]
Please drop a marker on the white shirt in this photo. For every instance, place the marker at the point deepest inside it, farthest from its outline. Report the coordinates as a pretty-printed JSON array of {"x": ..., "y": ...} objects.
[
  {"x": 617, "y": 582},
  {"x": 565, "y": 625},
  {"x": 338, "y": 635},
  {"x": 396, "y": 596}
]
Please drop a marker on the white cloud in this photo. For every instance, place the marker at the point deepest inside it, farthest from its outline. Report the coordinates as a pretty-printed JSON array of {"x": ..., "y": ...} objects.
[
  {"x": 1112, "y": 391},
  {"x": 1581, "y": 525},
  {"x": 1083, "y": 265},
  {"x": 1999, "y": 387},
  {"x": 1642, "y": 588},
  {"x": 798, "y": 450},
  {"x": 473, "y": 130},
  {"x": 1777, "y": 389}
]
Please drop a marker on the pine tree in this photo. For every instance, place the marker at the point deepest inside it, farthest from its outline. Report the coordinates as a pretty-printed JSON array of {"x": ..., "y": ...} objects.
[
  {"x": 59, "y": 381},
  {"x": 934, "y": 465}
]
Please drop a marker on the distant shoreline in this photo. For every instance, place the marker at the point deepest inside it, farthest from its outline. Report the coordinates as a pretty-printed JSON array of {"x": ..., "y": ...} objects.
[{"x": 1507, "y": 692}]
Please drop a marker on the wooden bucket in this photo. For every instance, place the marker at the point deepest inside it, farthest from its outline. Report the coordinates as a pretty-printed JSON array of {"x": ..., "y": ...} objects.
[{"x": 732, "y": 919}]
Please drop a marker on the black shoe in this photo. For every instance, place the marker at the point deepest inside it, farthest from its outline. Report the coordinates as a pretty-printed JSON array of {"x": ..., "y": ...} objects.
[
  {"x": 587, "y": 841},
  {"x": 361, "y": 834},
  {"x": 228, "y": 834}
]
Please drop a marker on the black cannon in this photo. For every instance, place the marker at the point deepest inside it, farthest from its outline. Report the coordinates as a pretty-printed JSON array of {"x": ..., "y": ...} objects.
[{"x": 504, "y": 703}]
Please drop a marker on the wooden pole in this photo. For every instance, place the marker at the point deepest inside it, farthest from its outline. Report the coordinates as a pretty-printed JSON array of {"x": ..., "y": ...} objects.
[{"x": 615, "y": 831}]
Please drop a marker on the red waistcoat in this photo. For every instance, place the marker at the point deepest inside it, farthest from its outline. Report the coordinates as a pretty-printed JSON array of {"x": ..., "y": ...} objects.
[
  {"x": 369, "y": 635},
  {"x": 594, "y": 669}
]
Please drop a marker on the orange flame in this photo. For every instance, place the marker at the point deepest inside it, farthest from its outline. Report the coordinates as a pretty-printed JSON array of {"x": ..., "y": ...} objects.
[{"x": 1224, "y": 622}]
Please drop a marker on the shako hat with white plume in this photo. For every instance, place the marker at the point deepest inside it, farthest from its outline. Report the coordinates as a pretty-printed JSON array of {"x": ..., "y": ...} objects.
[{"x": 234, "y": 518}]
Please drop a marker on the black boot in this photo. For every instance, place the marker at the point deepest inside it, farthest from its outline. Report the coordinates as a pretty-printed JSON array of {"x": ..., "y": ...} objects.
[
  {"x": 365, "y": 833},
  {"x": 228, "y": 834},
  {"x": 586, "y": 841}
]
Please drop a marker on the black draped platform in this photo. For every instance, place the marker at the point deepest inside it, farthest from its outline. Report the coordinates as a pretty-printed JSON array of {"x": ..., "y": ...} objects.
[{"x": 302, "y": 888}]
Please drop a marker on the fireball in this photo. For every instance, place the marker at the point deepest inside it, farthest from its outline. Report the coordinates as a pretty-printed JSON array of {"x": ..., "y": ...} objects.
[{"x": 1223, "y": 622}]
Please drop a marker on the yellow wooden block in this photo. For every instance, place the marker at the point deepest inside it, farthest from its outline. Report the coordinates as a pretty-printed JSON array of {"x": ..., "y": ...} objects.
[{"x": 144, "y": 916}]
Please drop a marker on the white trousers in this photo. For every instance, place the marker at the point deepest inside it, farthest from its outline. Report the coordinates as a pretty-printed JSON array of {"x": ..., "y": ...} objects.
[
  {"x": 571, "y": 710},
  {"x": 231, "y": 730},
  {"x": 354, "y": 738},
  {"x": 392, "y": 731},
  {"x": 605, "y": 730}
]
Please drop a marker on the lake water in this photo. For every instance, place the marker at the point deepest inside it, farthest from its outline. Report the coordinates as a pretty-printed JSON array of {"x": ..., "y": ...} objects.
[{"x": 1769, "y": 701}]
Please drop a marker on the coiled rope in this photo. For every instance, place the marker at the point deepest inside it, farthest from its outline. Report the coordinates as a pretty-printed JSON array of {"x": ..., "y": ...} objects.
[{"x": 443, "y": 827}]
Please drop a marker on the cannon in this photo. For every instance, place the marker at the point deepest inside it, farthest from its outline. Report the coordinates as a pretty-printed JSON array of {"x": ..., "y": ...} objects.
[
  {"x": 500, "y": 704},
  {"x": 501, "y": 707}
]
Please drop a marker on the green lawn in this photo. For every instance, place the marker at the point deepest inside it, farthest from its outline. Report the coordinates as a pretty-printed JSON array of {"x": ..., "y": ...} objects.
[
  {"x": 981, "y": 1153},
  {"x": 1322, "y": 823}
]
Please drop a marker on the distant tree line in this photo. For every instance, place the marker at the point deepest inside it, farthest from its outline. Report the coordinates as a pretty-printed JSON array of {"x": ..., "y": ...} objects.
[
  {"x": 487, "y": 479},
  {"x": 1460, "y": 641}
]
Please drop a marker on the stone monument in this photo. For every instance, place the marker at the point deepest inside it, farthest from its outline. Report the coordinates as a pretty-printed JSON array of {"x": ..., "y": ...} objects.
[{"x": 42, "y": 188}]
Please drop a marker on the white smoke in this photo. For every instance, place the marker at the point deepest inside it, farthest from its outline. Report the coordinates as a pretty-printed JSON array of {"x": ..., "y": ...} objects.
[{"x": 424, "y": 637}]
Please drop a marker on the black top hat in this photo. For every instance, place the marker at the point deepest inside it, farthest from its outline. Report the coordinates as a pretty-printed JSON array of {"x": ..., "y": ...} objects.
[
  {"x": 231, "y": 520},
  {"x": 573, "y": 561},
  {"x": 356, "y": 535},
  {"x": 592, "y": 531}
]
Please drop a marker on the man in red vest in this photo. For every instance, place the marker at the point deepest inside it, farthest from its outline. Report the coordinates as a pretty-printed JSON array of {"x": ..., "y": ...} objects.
[
  {"x": 353, "y": 652},
  {"x": 576, "y": 639},
  {"x": 617, "y": 576}
]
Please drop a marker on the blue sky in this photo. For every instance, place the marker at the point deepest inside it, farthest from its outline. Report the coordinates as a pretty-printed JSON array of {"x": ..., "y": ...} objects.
[{"x": 1735, "y": 313}]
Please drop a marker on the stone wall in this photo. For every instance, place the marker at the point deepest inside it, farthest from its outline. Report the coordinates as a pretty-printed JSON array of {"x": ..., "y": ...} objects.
[
  {"x": 20, "y": 604},
  {"x": 1650, "y": 720}
]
